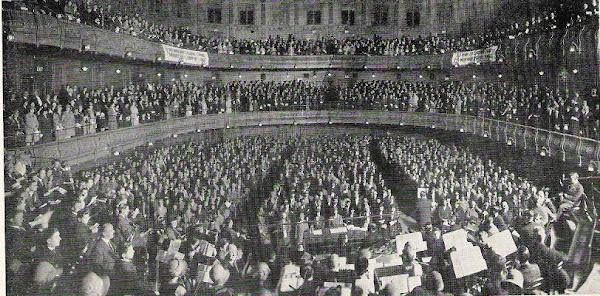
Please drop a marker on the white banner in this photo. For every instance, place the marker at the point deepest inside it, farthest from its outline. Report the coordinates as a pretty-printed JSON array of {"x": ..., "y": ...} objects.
[
  {"x": 191, "y": 57},
  {"x": 464, "y": 58}
]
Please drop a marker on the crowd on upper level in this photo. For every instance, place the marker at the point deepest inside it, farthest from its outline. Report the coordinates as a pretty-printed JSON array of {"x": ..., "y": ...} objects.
[
  {"x": 176, "y": 219},
  {"x": 90, "y": 13},
  {"x": 79, "y": 111}
]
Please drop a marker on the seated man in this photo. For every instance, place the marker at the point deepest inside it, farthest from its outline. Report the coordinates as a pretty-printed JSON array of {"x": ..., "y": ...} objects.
[
  {"x": 530, "y": 271},
  {"x": 574, "y": 198}
]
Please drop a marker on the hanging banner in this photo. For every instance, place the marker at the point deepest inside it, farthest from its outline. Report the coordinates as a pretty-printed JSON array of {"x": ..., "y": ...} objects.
[
  {"x": 186, "y": 56},
  {"x": 464, "y": 58}
]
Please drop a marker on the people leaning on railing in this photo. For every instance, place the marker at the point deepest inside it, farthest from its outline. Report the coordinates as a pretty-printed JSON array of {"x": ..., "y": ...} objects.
[
  {"x": 34, "y": 117},
  {"x": 107, "y": 17}
]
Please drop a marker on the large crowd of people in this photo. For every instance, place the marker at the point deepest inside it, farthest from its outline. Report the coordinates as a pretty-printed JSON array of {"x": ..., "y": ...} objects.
[
  {"x": 172, "y": 220},
  {"x": 94, "y": 14},
  {"x": 331, "y": 182},
  {"x": 466, "y": 192},
  {"x": 74, "y": 228},
  {"x": 32, "y": 117}
]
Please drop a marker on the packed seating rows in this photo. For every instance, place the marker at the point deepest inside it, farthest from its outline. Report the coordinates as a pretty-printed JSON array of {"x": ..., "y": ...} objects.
[{"x": 175, "y": 220}]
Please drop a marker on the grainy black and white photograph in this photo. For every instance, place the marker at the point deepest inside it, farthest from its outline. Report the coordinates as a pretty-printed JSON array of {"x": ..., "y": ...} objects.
[{"x": 300, "y": 147}]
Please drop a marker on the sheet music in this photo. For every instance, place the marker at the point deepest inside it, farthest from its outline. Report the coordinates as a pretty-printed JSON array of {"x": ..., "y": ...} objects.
[
  {"x": 467, "y": 261},
  {"x": 291, "y": 280},
  {"x": 456, "y": 239},
  {"x": 338, "y": 230},
  {"x": 413, "y": 282},
  {"x": 502, "y": 243},
  {"x": 401, "y": 281},
  {"x": 415, "y": 239}
]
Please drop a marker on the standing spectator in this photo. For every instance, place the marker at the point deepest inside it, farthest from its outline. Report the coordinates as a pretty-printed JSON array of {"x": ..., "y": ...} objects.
[
  {"x": 32, "y": 132},
  {"x": 68, "y": 120},
  {"x": 135, "y": 114},
  {"x": 112, "y": 117}
]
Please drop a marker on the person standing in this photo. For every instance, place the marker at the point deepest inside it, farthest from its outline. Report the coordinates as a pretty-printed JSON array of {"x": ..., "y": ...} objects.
[
  {"x": 135, "y": 115},
  {"x": 57, "y": 121},
  {"x": 112, "y": 117},
  {"x": 91, "y": 121},
  {"x": 68, "y": 120},
  {"x": 32, "y": 132}
]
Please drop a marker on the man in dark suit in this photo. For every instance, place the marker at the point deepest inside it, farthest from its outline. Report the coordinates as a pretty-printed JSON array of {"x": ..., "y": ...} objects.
[
  {"x": 104, "y": 254},
  {"x": 530, "y": 271},
  {"x": 423, "y": 210},
  {"x": 129, "y": 281}
]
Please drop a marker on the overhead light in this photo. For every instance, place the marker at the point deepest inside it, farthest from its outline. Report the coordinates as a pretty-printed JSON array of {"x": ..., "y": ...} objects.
[
  {"x": 328, "y": 74},
  {"x": 118, "y": 71},
  {"x": 398, "y": 67},
  {"x": 575, "y": 71},
  {"x": 462, "y": 130},
  {"x": 433, "y": 126},
  {"x": 158, "y": 74},
  {"x": 367, "y": 122},
  {"x": 428, "y": 66},
  {"x": 227, "y": 126},
  {"x": 541, "y": 73},
  {"x": 84, "y": 69},
  {"x": 373, "y": 75},
  {"x": 499, "y": 75},
  {"x": 185, "y": 75},
  {"x": 474, "y": 76},
  {"x": 421, "y": 76}
]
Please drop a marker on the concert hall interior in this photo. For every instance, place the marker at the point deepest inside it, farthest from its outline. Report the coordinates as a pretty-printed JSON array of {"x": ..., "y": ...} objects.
[{"x": 270, "y": 147}]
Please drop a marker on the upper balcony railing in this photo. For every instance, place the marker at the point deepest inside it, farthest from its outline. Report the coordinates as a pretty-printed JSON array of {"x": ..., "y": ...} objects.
[{"x": 44, "y": 30}]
